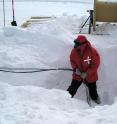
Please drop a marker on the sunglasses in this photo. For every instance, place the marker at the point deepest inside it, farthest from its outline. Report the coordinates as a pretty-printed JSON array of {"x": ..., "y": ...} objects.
[{"x": 79, "y": 44}]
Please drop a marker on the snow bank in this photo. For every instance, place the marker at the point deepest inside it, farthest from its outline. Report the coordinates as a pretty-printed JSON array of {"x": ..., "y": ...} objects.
[
  {"x": 30, "y": 104},
  {"x": 49, "y": 46}
]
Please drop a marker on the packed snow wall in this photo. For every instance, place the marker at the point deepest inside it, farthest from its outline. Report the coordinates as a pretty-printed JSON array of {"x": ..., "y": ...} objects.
[{"x": 50, "y": 48}]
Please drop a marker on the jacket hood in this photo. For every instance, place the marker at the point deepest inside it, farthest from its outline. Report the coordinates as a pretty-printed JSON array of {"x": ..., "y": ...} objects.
[{"x": 80, "y": 40}]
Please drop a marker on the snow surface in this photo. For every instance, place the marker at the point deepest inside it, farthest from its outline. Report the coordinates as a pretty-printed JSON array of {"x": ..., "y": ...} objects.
[
  {"x": 108, "y": 0},
  {"x": 41, "y": 97},
  {"x": 53, "y": 1},
  {"x": 24, "y": 10}
]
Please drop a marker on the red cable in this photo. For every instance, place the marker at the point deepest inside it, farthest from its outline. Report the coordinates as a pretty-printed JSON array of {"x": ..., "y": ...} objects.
[{"x": 13, "y": 9}]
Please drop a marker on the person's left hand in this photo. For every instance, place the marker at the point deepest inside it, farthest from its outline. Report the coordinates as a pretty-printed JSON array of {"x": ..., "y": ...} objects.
[{"x": 83, "y": 75}]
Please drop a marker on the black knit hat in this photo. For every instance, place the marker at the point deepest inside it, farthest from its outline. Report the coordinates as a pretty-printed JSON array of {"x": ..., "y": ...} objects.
[{"x": 79, "y": 44}]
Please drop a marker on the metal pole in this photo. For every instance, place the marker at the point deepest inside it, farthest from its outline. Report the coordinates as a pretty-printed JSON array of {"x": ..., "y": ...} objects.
[
  {"x": 13, "y": 23},
  {"x": 90, "y": 21},
  {"x": 4, "y": 12},
  {"x": 84, "y": 25}
]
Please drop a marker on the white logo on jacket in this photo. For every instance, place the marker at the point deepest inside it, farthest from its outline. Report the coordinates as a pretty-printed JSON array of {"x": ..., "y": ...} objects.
[{"x": 87, "y": 60}]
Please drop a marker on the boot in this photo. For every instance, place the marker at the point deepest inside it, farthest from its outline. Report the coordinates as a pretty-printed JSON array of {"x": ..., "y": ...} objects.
[{"x": 98, "y": 101}]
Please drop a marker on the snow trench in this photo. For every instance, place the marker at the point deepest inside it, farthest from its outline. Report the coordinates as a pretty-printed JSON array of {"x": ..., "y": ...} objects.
[{"x": 50, "y": 48}]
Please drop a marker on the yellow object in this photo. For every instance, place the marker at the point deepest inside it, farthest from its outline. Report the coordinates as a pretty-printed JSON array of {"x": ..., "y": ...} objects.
[
  {"x": 36, "y": 19},
  {"x": 104, "y": 11}
]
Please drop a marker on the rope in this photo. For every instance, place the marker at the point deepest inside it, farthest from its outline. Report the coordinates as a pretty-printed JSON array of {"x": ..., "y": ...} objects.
[
  {"x": 87, "y": 95},
  {"x": 30, "y": 70}
]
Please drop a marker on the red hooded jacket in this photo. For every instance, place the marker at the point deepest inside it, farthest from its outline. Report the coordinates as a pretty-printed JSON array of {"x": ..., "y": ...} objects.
[{"x": 87, "y": 60}]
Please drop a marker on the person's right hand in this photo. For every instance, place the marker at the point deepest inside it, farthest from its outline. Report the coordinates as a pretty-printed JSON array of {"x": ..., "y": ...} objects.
[{"x": 78, "y": 72}]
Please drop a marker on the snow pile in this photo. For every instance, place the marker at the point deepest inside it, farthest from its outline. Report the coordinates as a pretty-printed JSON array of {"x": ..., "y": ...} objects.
[
  {"x": 31, "y": 46},
  {"x": 30, "y": 104},
  {"x": 49, "y": 46}
]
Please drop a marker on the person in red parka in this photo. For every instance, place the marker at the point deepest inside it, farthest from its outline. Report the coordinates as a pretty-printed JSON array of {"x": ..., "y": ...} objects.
[{"x": 85, "y": 61}]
